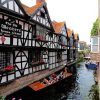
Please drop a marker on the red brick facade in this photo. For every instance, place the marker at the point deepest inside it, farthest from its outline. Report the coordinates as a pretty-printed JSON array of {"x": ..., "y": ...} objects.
[{"x": 95, "y": 57}]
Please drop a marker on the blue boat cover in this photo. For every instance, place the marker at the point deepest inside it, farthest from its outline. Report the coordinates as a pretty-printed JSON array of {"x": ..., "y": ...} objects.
[{"x": 92, "y": 66}]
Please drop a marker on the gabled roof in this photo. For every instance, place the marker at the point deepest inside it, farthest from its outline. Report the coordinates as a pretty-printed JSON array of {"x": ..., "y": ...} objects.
[
  {"x": 76, "y": 37},
  {"x": 58, "y": 26},
  {"x": 17, "y": 3},
  {"x": 33, "y": 9},
  {"x": 69, "y": 31}
]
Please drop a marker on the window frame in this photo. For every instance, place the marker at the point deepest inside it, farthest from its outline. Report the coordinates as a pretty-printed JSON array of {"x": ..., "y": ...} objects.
[{"x": 94, "y": 44}]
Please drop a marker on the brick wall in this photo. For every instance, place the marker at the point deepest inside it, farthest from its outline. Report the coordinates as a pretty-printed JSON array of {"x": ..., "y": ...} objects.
[{"x": 95, "y": 57}]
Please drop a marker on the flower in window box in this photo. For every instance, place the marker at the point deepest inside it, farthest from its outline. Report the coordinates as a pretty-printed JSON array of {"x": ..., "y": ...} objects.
[
  {"x": 38, "y": 37},
  {"x": 41, "y": 37},
  {"x": 8, "y": 68},
  {"x": 41, "y": 61}
]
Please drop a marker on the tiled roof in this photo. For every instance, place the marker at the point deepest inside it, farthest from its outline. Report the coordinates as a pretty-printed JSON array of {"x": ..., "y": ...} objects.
[
  {"x": 69, "y": 31},
  {"x": 58, "y": 26},
  {"x": 25, "y": 7},
  {"x": 30, "y": 10}
]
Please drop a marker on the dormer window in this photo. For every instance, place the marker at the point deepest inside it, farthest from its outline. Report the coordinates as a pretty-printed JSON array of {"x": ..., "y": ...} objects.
[{"x": 42, "y": 14}]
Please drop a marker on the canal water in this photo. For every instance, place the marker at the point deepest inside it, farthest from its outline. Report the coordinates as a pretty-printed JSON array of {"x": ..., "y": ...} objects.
[{"x": 77, "y": 87}]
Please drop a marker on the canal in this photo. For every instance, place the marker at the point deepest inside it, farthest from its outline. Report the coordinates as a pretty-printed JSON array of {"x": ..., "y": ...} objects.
[{"x": 80, "y": 86}]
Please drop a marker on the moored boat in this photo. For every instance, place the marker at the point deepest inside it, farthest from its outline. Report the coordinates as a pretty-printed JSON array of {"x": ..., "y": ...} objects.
[
  {"x": 50, "y": 80},
  {"x": 91, "y": 65}
]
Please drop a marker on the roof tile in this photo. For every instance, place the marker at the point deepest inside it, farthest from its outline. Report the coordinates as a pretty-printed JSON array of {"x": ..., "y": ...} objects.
[
  {"x": 76, "y": 36},
  {"x": 30, "y": 10},
  {"x": 69, "y": 31},
  {"x": 58, "y": 26}
]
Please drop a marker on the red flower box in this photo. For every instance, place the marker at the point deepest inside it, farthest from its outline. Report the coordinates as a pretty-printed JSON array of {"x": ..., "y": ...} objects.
[
  {"x": 41, "y": 61},
  {"x": 39, "y": 37},
  {"x": 8, "y": 68}
]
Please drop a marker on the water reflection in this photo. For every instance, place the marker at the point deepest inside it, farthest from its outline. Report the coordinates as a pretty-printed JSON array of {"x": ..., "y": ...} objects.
[{"x": 77, "y": 87}]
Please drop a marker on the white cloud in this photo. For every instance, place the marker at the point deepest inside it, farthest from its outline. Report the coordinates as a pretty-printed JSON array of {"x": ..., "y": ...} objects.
[{"x": 78, "y": 14}]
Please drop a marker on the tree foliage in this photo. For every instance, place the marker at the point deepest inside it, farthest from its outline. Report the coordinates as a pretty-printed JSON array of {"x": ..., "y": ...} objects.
[
  {"x": 94, "y": 30},
  {"x": 94, "y": 92}
]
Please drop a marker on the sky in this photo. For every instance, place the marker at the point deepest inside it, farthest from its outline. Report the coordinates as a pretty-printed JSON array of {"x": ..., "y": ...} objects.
[{"x": 79, "y": 15}]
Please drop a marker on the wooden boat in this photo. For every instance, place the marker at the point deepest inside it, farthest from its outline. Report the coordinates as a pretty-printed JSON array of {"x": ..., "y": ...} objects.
[{"x": 39, "y": 85}]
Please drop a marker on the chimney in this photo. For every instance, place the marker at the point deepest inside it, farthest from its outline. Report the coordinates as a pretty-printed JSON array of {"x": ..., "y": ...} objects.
[{"x": 39, "y": 1}]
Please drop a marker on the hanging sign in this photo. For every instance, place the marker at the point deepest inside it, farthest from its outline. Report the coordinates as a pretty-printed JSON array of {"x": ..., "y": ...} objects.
[{"x": 9, "y": 26}]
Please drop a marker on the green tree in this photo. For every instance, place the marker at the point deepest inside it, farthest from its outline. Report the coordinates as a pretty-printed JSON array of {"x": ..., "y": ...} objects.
[{"x": 95, "y": 27}]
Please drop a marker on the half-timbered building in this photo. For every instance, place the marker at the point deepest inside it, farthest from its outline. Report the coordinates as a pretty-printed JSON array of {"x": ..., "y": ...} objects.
[
  {"x": 30, "y": 42},
  {"x": 70, "y": 45},
  {"x": 25, "y": 35},
  {"x": 75, "y": 48},
  {"x": 61, "y": 32}
]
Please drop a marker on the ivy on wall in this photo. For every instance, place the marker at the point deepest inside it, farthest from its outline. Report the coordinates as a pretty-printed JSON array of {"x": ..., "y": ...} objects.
[{"x": 95, "y": 27}]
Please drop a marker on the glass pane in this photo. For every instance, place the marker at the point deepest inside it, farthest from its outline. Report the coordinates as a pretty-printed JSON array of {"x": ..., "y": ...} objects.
[
  {"x": 95, "y": 48},
  {"x": 95, "y": 40}
]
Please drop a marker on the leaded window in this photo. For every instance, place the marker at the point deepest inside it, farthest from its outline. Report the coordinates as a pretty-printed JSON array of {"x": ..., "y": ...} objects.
[
  {"x": 37, "y": 56},
  {"x": 59, "y": 56},
  {"x": 40, "y": 31},
  {"x": 5, "y": 59}
]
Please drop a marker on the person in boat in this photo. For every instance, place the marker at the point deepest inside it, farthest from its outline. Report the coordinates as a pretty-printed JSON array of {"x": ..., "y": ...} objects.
[
  {"x": 61, "y": 75},
  {"x": 54, "y": 77},
  {"x": 65, "y": 72},
  {"x": 45, "y": 81},
  {"x": 51, "y": 80}
]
